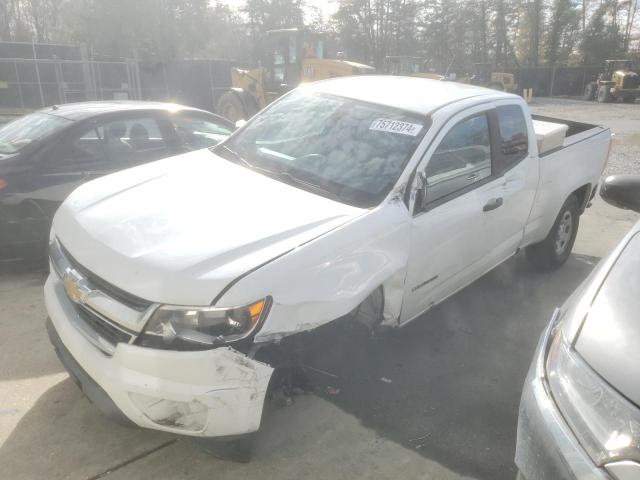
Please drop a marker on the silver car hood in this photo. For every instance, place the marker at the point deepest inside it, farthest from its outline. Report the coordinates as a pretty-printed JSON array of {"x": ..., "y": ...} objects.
[{"x": 610, "y": 336}]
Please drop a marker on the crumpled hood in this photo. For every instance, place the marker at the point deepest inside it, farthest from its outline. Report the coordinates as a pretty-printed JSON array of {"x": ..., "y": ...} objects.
[
  {"x": 609, "y": 339},
  {"x": 180, "y": 229}
]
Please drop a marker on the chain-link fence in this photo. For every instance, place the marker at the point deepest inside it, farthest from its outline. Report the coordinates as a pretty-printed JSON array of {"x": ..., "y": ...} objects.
[
  {"x": 27, "y": 84},
  {"x": 556, "y": 81}
]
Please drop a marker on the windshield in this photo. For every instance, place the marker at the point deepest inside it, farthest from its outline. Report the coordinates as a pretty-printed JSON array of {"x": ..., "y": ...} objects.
[
  {"x": 18, "y": 134},
  {"x": 342, "y": 148}
]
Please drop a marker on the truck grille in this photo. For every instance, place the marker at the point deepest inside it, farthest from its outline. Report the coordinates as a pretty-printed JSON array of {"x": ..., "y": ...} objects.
[
  {"x": 106, "y": 315},
  {"x": 123, "y": 297},
  {"x": 107, "y": 331}
]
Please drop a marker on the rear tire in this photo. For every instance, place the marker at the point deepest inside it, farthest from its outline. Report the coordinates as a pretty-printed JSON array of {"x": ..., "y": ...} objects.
[
  {"x": 629, "y": 99},
  {"x": 590, "y": 91},
  {"x": 604, "y": 95},
  {"x": 231, "y": 107},
  {"x": 554, "y": 250}
]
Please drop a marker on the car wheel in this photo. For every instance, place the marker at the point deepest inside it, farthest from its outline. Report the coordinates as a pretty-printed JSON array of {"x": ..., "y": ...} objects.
[
  {"x": 369, "y": 312},
  {"x": 629, "y": 99},
  {"x": 590, "y": 91},
  {"x": 604, "y": 95},
  {"x": 554, "y": 250},
  {"x": 231, "y": 107}
]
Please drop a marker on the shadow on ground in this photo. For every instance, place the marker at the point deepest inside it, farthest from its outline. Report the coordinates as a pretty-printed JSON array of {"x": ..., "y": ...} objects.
[
  {"x": 64, "y": 436},
  {"x": 448, "y": 385}
]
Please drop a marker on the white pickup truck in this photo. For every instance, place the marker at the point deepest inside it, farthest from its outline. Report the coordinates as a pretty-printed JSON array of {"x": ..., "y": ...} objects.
[{"x": 369, "y": 199}]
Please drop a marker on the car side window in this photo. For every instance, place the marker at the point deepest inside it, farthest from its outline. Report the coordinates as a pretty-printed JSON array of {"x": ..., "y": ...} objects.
[
  {"x": 463, "y": 158},
  {"x": 114, "y": 140},
  {"x": 196, "y": 131},
  {"x": 514, "y": 140}
]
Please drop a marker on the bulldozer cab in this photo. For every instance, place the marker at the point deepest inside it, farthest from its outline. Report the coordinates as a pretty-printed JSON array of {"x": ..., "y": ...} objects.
[
  {"x": 286, "y": 51},
  {"x": 404, "y": 65},
  {"x": 612, "y": 66},
  {"x": 482, "y": 73}
]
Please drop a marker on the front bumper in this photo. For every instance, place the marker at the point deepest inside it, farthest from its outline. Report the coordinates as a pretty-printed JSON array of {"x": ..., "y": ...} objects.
[
  {"x": 213, "y": 393},
  {"x": 546, "y": 448}
]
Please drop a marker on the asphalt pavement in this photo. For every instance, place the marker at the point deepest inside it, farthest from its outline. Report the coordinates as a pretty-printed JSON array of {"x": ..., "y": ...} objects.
[{"x": 437, "y": 399}]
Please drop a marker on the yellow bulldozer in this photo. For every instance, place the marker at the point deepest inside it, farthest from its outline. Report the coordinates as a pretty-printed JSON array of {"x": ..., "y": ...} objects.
[
  {"x": 410, "y": 66},
  {"x": 484, "y": 76},
  {"x": 292, "y": 56},
  {"x": 617, "y": 81}
]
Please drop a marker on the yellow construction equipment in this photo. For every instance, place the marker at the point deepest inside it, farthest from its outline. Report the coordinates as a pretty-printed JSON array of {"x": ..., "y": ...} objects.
[
  {"x": 617, "y": 81},
  {"x": 485, "y": 77},
  {"x": 292, "y": 56},
  {"x": 410, "y": 66}
]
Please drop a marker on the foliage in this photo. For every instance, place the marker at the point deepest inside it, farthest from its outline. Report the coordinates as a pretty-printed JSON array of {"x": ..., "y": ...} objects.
[{"x": 449, "y": 34}]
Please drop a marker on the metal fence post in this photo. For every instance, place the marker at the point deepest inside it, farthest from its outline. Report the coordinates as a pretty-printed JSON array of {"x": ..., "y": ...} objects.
[
  {"x": 35, "y": 58},
  {"x": 15, "y": 65}
]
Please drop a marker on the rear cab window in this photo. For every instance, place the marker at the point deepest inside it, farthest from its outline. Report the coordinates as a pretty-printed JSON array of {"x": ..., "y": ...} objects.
[{"x": 513, "y": 135}]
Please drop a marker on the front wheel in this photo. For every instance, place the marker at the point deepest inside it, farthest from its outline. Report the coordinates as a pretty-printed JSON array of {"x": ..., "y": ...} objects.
[
  {"x": 604, "y": 94},
  {"x": 231, "y": 107},
  {"x": 590, "y": 91},
  {"x": 554, "y": 250}
]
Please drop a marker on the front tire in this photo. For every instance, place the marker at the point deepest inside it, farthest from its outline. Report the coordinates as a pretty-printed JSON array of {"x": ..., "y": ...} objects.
[
  {"x": 604, "y": 95},
  {"x": 553, "y": 251},
  {"x": 231, "y": 107},
  {"x": 590, "y": 91}
]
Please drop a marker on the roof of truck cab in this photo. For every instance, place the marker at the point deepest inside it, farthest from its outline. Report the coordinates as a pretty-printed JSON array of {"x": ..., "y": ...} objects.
[
  {"x": 418, "y": 95},
  {"x": 82, "y": 110}
]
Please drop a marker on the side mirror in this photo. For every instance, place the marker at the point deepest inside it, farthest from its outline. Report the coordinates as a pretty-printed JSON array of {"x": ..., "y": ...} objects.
[{"x": 622, "y": 191}]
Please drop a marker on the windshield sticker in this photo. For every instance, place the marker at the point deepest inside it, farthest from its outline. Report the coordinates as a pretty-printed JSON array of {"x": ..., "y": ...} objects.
[{"x": 396, "y": 126}]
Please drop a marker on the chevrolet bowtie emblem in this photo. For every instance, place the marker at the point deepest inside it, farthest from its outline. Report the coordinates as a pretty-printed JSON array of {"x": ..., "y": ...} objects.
[{"x": 73, "y": 286}]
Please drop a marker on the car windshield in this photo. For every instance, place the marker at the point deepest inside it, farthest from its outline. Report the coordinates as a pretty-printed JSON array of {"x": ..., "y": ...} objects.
[
  {"x": 18, "y": 134},
  {"x": 342, "y": 148}
]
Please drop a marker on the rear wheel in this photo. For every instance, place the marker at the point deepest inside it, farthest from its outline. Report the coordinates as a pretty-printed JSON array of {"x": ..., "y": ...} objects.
[
  {"x": 554, "y": 250},
  {"x": 590, "y": 91},
  {"x": 231, "y": 107},
  {"x": 629, "y": 99},
  {"x": 604, "y": 94}
]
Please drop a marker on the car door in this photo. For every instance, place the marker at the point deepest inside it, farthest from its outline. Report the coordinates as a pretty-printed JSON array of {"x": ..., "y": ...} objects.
[
  {"x": 448, "y": 238},
  {"x": 517, "y": 170}
]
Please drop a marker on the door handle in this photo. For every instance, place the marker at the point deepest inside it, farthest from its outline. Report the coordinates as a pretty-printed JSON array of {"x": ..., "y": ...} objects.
[{"x": 492, "y": 204}]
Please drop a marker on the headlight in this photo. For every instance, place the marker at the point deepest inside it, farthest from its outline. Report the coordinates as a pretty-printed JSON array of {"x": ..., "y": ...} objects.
[
  {"x": 199, "y": 328},
  {"x": 606, "y": 424}
]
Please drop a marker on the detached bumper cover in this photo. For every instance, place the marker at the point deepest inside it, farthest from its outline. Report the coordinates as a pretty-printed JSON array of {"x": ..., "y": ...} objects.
[
  {"x": 546, "y": 448},
  {"x": 213, "y": 393}
]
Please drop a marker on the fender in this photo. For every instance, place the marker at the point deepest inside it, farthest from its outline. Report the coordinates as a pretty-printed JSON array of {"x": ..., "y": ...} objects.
[{"x": 327, "y": 278}]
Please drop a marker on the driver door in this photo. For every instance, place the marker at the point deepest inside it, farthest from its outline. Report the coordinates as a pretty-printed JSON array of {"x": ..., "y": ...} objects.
[{"x": 448, "y": 239}]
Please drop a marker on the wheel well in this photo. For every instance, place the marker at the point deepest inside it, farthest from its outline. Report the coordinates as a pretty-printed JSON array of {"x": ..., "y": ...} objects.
[{"x": 582, "y": 194}]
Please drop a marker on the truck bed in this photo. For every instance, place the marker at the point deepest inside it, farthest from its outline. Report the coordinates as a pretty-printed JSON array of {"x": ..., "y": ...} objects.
[
  {"x": 577, "y": 131},
  {"x": 573, "y": 167}
]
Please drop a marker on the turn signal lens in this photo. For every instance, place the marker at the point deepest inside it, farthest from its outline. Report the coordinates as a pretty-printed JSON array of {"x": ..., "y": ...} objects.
[{"x": 3, "y": 183}]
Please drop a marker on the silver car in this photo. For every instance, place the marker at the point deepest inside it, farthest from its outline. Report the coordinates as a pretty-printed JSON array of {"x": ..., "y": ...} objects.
[{"x": 580, "y": 407}]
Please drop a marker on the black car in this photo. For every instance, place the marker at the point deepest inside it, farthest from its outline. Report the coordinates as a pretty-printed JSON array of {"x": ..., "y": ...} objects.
[{"x": 45, "y": 155}]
